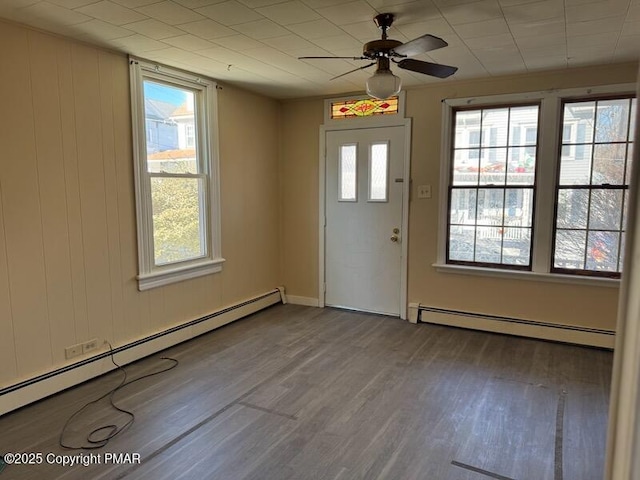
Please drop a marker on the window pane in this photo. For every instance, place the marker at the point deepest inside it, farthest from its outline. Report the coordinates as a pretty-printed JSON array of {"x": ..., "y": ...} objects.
[
  {"x": 463, "y": 206},
  {"x": 608, "y": 164},
  {"x": 575, "y": 165},
  {"x": 347, "y": 180},
  {"x": 490, "y": 206},
  {"x": 572, "y": 208},
  {"x": 378, "y": 172},
  {"x": 467, "y": 132},
  {"x": 466, "y": 165},
  {"x": 494, "y": 127},
  {"x": 632, "y": 127},
  {"x": 605, "y": 209},
  {"x": 461, "y": 240},
  {"x": 523, "y": 126},
  {"x": 493, "y": 165},
  {"x": 627, "y": 174},
  {"x": 518, "y": 208},
  {"x": 625, "y": 208},
  {"x": 602, "y": 251},
  {"x": 521, "y": 165},
  {"x": 516, "y": 246},
  {"x": 570, "y": 249},
  {"x": 178, "y": 229},
  {"x": 612, "y": 121},
  {"x": 169, "y": 113},
  {"x": 489, "y": 245},
  {"x": 579, "y": 116}
]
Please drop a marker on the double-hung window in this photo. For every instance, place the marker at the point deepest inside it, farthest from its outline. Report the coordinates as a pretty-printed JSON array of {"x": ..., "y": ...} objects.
[
  {"x": 177, "y": 190},
  {"x": 537, "y": 182}
]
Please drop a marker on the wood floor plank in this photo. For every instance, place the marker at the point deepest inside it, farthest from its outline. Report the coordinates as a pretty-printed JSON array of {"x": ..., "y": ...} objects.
[{"x": 305, "y": 393}]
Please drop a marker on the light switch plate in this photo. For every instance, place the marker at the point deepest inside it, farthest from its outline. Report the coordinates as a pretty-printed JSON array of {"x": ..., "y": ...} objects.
[{"x": 424, "y": 191}]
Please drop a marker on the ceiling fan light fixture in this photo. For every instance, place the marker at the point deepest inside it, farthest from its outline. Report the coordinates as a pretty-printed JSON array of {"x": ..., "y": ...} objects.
[{"x": 383, "y": 84}]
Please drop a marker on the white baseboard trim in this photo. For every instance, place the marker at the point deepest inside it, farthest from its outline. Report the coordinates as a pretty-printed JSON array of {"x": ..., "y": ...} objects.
[
  {"x": 36, "y": 388},
  {"x": 306, "y": 301},
  {"x": 514, "y": 326}
]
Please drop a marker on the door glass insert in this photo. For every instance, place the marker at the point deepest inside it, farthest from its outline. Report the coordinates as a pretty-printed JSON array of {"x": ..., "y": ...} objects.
[
  {"x": 379, "y": 172},
  {"x": 347, "y": 172}
]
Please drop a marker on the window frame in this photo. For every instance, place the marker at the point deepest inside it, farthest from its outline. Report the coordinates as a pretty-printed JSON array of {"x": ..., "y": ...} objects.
[
  {"x": 546, "y": 178},
  {"x": 590, "y": 187},
  {"x": 151, "y": 275},
  {"x": 488, "y": 187}
]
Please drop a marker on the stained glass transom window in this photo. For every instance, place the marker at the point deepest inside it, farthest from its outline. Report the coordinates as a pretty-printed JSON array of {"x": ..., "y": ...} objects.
[{"x": 363, "y": 108}]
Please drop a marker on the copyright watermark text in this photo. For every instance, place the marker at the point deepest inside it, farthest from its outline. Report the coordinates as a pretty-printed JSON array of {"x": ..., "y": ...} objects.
[{"x": 78, "y": 459}]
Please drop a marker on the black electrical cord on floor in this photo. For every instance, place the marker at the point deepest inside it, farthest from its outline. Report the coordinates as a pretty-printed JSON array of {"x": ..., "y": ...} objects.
[{"x": 99, "y": 437}]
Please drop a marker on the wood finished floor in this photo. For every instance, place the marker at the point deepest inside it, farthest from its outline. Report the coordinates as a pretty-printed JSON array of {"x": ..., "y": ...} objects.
[{"x": 304, "y": 393}]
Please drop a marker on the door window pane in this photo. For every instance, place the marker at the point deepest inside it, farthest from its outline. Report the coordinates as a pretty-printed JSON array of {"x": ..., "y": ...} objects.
[
  {"x": 379, "y": 172},
  {"x": 347, "y": 173}
]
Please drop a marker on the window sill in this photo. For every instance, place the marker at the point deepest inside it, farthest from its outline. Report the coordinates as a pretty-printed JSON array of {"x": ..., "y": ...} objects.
[
  {"x": 532, "y": 276},
  {"x": 178, "y": 274}
]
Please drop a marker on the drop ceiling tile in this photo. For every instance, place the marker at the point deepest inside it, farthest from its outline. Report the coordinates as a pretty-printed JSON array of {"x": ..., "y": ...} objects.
[
  {"x": 316, "y": 29},
  {"x": 259, "y": 3},
  {"x": 207, "y": 29},
  {"x": 491, "y": 41},
  {"x": 260, "y": 29},
  {"x": 481, "y": 29},
  {"x": 513, "y": 3},
  {"x": 238, "y": 42},
  {"x": 596, "y": 11},
  {"x": 631, "y": 28},
  {"x": 340, "y": 42},
  {"x": 133, "y": 3},
  {"x": 634, "y": 12},
  {"x": 602, "y": 40},
  {"x": 170, "y": 13},
  {"x": 138, "y": 43},
  {"x": 547, "y": 51},
  {"x": 153, "y": 29},
  {"x": 606, "y": 25},
  {"x": 196, "y": 3},
  {"x": 111, "y": 12},
  {"x": 545, "y": 63},
  {"x": 417, "y": 11},
  {"x": 291, "y": 44},
  {"x": 538, "y": 29},
  {"x": 540, "y": 41},
  {"x": 381, "y": 5},
  {"x": 321, "y": 3},
  {"x": 226, "y": 56},
  {"x": 629, "y": 44},
  {"x": 473, "y": 12},
  {"x": 99, "y": 30},
  {"x": 69, "y": 3},
  {"x": 188, "y": 42},
  {"x": 366, "y": 31},
  {"x": 289, "y": 13},
  {"x": 55, "y": 14},
  {"x": 230, "y": 13},
  {"x": 534, "y": 12},
  {"x": 347, "y": 13}
]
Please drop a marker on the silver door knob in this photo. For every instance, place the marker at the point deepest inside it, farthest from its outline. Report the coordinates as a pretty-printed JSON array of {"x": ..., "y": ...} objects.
[{"x": 394, "y": 238}]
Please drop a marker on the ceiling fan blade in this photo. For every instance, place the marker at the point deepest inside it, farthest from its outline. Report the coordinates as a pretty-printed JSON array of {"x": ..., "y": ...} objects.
[
  {"x": 354, "y": 70},
  {"x": 433, "y": 69},
  {"x": 419, "y": 45},
  {"x": 325, "y": 58}
]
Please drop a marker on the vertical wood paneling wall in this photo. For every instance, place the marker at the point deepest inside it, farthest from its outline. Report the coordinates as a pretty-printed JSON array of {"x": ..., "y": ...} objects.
[{"x": 68, "y": 255}]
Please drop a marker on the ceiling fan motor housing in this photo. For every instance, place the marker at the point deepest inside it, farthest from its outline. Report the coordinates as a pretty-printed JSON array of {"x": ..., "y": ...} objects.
[{"x": 379, "y": 48}]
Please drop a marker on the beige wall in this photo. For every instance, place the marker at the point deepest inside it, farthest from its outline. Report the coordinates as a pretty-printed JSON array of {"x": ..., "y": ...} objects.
[
  {"x": 68, "y": 256},
  {"x": 550, "y": 302}
]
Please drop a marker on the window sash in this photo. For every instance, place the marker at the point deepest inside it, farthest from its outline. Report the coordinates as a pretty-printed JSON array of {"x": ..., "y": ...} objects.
[{"x": 205, "y": 114}]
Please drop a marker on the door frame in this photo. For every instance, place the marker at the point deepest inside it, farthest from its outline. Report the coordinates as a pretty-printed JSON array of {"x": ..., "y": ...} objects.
[{"x": 329, "y": 125}]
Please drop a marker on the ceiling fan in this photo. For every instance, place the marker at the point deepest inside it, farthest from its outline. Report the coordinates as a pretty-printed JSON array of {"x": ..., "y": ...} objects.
[{"x": 384, "y": 84}]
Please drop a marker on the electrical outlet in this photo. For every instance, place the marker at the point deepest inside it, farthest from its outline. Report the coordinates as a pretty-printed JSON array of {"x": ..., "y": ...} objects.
[
  {"x": 90, "y": 345},
  {"x": 424, "y": 191},
  {"x": 73, "y": 351}
]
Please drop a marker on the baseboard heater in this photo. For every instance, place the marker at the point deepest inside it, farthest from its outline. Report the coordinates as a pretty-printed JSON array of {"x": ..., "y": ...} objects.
[
  {"x": 41, "y": 386},
  {"x": 514, "y": 326}
]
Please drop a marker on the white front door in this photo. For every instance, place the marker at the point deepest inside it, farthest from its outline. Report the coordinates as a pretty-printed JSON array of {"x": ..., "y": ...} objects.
[{"x": 363, "y": 207}]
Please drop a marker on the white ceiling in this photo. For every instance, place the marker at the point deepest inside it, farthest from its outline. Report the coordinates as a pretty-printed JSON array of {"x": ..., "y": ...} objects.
[{"x": 255, "y": 43}]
